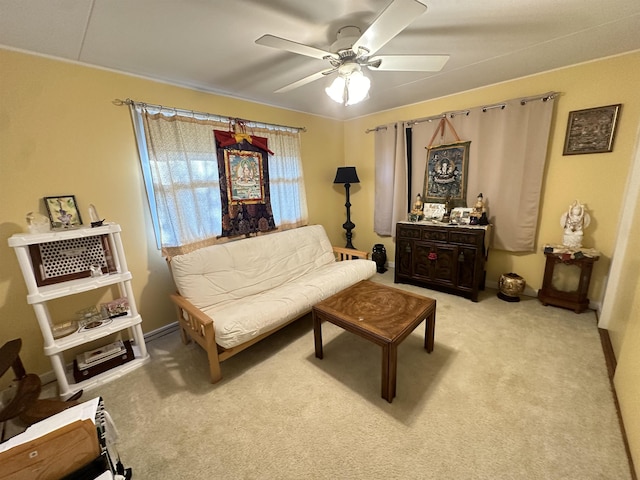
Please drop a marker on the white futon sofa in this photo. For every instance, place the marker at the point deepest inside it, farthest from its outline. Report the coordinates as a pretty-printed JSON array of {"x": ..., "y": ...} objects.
[{"x": 234, "y": 294}]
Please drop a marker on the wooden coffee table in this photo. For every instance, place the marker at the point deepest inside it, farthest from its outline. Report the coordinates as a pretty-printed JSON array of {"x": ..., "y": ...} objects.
[{"x": 381, "y": 314}]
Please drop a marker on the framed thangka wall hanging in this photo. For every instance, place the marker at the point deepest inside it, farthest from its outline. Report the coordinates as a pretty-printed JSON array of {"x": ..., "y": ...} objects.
[
  {"x": 244, "y": 173},
  {"x": 243, "y": 168},
  {"x": 445, "y": 174}
]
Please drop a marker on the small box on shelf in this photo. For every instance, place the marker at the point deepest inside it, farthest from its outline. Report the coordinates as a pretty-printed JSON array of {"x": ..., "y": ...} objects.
[
  {"x": 116, "y": 308},
  {"x": 94, "y": 362}
]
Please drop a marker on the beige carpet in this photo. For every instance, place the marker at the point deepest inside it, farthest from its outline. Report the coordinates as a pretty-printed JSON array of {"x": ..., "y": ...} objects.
[{"x": 511, "y": 391}]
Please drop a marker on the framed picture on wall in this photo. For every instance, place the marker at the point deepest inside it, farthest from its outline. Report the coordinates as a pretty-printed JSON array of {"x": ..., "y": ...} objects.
[
  {"x": 445, "y": 175},
  {"x": 591, "y": 130},
  {"x": 63, "y": 211},
  {"x": 245, "y": 176}
]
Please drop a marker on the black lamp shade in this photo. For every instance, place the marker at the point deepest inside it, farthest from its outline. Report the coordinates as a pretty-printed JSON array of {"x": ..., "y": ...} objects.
[{"x": 346, "y": 175}]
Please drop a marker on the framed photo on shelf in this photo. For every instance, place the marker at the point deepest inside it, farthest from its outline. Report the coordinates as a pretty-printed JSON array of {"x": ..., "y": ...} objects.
[
  {"x": 591, "y": 130},
  {"x": 63, "y": 211},
  {"x": 461, "y": 215}
]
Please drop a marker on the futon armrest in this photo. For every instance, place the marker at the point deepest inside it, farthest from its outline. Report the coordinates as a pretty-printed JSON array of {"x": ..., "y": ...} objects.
[
  {"x": 349, "y": 254},
  {"x": 193, "y": 311}
]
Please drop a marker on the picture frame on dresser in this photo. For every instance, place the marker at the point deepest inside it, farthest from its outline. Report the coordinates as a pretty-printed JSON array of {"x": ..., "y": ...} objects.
[
  {"x": 63, "y": 211},
  {"x": 434, "y": 211},
  {"x": 461, "y": 215}
]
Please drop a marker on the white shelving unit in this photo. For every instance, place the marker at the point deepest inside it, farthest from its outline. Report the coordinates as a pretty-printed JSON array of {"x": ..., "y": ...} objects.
[{"x": 116, "y": 273}]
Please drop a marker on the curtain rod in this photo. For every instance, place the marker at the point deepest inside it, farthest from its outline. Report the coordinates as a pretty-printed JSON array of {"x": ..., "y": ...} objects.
[
  {"x": 501, "y": 105},
  {"x": 213, "y": 116},
  {"x": 380, "y": 127}
]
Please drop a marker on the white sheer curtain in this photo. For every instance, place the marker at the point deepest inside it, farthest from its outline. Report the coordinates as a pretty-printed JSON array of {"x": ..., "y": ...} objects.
[
  {"x": 391, "y": 183},
  {"x": 286, "y": 181},
  {"x": 506, "y": 164},
  {"x": 180, "y": 166}
]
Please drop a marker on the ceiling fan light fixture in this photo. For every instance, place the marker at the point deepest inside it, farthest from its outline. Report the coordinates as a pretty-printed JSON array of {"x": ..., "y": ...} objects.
[
  {"x": 357, "y": 88},
  {"x": 354, "y": 50},
  {"x": 350, "y": 87},
  {"x": 336, "y": 89}
]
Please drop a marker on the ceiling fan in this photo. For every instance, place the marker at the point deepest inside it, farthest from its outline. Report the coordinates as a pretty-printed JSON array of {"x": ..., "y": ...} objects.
[{"x": 354, "y": 51}]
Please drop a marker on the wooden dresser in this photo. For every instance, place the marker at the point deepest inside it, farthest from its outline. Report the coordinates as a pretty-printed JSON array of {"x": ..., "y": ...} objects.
[{"x": 442, "y": 257}]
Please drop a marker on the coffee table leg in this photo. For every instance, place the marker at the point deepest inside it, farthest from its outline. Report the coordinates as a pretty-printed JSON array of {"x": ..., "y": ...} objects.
[
  {"x": 430, "y": 331},
  {"x": 317, "y": 334},
  {"x": 389, "y": 370}
]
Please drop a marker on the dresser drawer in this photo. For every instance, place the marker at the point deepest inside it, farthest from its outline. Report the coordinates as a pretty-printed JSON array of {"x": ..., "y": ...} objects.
[
  {"x": 404, "y": 231},
  {"x": 435, "y": 235},
  {"x": 467, "y": 238}
]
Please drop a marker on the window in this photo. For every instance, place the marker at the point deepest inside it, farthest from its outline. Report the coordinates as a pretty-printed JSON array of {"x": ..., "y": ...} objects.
[{"x": 180, "y": 167}]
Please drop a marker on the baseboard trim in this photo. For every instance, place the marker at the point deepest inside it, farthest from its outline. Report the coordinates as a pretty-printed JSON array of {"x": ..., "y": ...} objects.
[
  {"x": 611, "y": 362},
  {"x": 161, "y": 332}
]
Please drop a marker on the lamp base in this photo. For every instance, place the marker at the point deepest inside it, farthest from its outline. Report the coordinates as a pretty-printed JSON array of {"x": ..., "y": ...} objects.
[{"x": 348, "y": 226}]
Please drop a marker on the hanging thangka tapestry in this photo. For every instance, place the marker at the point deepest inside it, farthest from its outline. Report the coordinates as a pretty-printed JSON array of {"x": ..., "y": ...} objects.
[
  {"x": 243, "y": 168},
  {"x": 445, "y": 176}
]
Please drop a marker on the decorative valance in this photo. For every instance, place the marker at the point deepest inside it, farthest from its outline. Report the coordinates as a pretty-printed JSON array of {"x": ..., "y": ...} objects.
[{"x": 226, "y": 139}]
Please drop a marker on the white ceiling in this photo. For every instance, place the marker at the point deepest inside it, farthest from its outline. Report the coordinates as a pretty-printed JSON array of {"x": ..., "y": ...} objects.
[{"x": 209, "y": 44}]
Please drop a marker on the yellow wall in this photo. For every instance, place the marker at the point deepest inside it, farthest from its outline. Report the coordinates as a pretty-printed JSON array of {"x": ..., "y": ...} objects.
[
  {"x": 627, "y": 376},
  {"x": 623, "y": 321},
  {"x": 61, "y": 134}
]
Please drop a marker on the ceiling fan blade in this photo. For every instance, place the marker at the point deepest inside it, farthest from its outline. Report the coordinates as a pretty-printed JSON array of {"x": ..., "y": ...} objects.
[
  {"x": 410, "y": 63},
  {"x": 391, "y": 21},
  {"x": 288, "y": 45},
  {"x": 305, "y": 80}
]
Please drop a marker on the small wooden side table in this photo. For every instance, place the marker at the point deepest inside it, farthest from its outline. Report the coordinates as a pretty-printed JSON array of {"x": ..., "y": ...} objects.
[{"x": 551, "y": 294}]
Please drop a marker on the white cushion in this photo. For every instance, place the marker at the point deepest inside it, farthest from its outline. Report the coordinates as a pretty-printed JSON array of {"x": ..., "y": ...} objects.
[
  {"x": 227, "y": 272},
  {"x": 254, "y": 285},
  {"x": 238, "y": 322}
]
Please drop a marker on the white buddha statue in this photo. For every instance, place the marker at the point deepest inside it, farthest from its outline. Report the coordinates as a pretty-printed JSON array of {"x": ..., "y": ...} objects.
[{"x": 574, "y": 221}]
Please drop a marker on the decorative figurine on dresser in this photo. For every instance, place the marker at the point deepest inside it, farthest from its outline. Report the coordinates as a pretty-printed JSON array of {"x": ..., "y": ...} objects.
[
  {"x": 63, "y": 261},
  {"x": 568, "y": 265},
  {"x": 478, "y": 210},
  {"x": 574, "y": 221},
  {"x": 417, "y": 212},
  {"x": 478, "y": 215}
]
